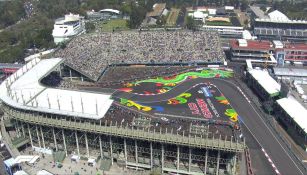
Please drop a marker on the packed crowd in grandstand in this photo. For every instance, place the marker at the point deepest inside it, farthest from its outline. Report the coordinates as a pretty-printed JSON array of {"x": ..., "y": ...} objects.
[{"x": 90, "y": 54}]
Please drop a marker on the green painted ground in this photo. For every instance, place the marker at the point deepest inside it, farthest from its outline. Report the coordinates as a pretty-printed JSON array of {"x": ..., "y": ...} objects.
[
  {"x": 116, "y": 24},
  {"x": 181, "y": 77}
]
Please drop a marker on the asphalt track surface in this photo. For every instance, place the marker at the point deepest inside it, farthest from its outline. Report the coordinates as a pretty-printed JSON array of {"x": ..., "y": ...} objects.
[{"x": 251, "y": 118}]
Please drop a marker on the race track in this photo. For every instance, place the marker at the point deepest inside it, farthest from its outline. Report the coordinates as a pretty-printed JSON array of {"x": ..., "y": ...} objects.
[{"x": 251, "y": 118}]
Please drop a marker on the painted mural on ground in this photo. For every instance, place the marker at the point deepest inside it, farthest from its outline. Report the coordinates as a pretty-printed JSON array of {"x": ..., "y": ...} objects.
[
  {"x": 161, "y": 85},
  {"x": 204, "y": 101}
]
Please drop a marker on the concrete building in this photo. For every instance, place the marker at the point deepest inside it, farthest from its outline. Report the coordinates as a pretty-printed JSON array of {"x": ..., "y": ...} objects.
[
  {"x": 277, "y": 26},
  {"x": 257, "y": 51},
  {"x": 68, "y": 27},
  {"x": 104, "y": 14}
]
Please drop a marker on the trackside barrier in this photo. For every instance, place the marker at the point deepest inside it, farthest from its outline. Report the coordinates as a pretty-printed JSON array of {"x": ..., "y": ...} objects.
[{"x": 248, "y": 162}]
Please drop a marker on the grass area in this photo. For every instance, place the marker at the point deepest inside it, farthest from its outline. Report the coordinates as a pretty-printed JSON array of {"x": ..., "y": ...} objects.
[
  {"x": 116, "y": 24},
  {"x": 218, "y": 23},
  {"x": 172, "y": 17}
]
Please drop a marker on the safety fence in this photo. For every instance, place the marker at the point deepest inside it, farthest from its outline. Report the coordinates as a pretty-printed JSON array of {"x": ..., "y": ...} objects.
[{"x": 248, "y": 162}]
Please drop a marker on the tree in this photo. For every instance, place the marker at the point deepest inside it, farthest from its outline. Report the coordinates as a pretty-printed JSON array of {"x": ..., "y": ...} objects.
[
  {"x": 244, "y": 5},
  {"x": 263, "y": 8},
  {"x": 89, "y": 26},
  {"x": 190, "y": 23},
  {"x": 136, "y": 17},
  {"x": 246, "y": 22}
]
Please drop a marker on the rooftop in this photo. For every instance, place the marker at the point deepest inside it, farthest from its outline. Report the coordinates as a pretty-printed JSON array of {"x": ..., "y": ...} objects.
[
  {"x": 283, "y": 71},
  {"x": 23, "y": 90},
  {"x": 258, "y": 12},
  {"x": 7, "y": 65},
  {"x": 68, "y": 18},
  {"x": 252, "y": 45},
  {"x": 265, "y": 80},
  {"x": 110, "y": 10},
  {"x": 295, "y": 110},
  {"x": 157, "y": 10}
]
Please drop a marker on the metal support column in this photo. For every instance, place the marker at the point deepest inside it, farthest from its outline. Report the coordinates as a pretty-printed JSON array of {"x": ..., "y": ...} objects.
[
  {"x": 136, "y": 151},
  {"x": 64, "y": 141},
  {"x": 218, "y": 162},
  {"x": 70, "y": 74},
  {"x": 178, "y": 159},
  {"x": 151, "y": 156},
  {"x": 190, "y": 158},
  {"x": 54, "y": 139},
  {"x": 17, "y": 129},
  {"x": 162, "y": 157},
  {"x": 206, "y": 162},
  {"x": 125, "y": 151},
  {"x": 111, "y": 151},
  {"x": 39, "y": 140},
  {"x": 234, "y": 164},
  {"x": 23, "y": 130},
  {"x": 77, "y": 143},
  {"x": 86, "y": 144},
  {"x": 42, "y": 137},
  {"x": 100, "y": 146},
  {"x": 30, "y": 135}
]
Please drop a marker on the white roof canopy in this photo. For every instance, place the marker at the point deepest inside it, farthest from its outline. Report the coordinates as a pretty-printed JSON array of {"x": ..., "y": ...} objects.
[
  {"x": 23, "y": 90},
  {"x": 265, "y": 80},
  {"x": 295, "y": 110},
  {"x": 278, "y": 16}
]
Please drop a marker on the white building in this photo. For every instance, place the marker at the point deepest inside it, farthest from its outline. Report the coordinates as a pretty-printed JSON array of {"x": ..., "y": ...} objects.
[{"x": 67, "y": 27}]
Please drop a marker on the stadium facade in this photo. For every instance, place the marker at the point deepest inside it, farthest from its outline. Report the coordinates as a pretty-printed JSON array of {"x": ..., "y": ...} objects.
[
  {"x": 259, "y": 51},
  {"x": 266, "y": 51},
  {"x": 75, "y": 123},
  {"x": 277, "y": 26}
]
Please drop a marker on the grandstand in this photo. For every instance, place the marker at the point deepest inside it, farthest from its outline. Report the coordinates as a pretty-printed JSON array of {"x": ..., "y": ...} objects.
[
  {"x": 277, "y": 26},
  {"x": 91, "y": 125},
  {"x": 91, "y": 54}
]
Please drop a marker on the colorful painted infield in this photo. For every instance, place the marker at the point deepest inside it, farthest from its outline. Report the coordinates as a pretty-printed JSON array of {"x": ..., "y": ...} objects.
[
  {"x": 161, "y": 85},
  {"x": 203, "y": 101}
]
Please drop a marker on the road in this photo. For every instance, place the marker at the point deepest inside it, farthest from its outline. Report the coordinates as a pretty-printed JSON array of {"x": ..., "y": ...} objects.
[{"x": 255, "y": 124}]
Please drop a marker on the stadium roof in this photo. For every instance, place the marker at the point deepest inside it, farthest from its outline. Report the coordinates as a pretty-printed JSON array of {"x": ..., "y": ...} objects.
[
  {"x": 266, "y": 81},
  {"x": 23, "y": 90},
  {"x": 258, "y": 12},
  {"x": 282, "y": 71},
  {"x": 198, "y": 14},
  {"x": 295, "y": 110},
  {"x": 278, "y": 16},
  {"x": 252, "y": 45},
  {"x": 110, "y": 10}
]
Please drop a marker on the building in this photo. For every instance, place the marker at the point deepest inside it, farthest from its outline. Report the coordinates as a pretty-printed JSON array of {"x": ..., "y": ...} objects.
[
  {"x": 277, "y": 26},
  {"x": 292, "y": 116},
  {"x": 8, "y": 69},
  {"x": 81, "y": 123},
  {"x": 263, "y": 84},
  {"x": 295, "y": 53},
  {"x": 104, "y": 14},
  {"x": 291, "y": 74},
  {"x": 67, "y": 27},
  {"x": 222, "y": 19},
  {"x": 257, "y": 51},
  {"x": 158, "y": 10}
]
